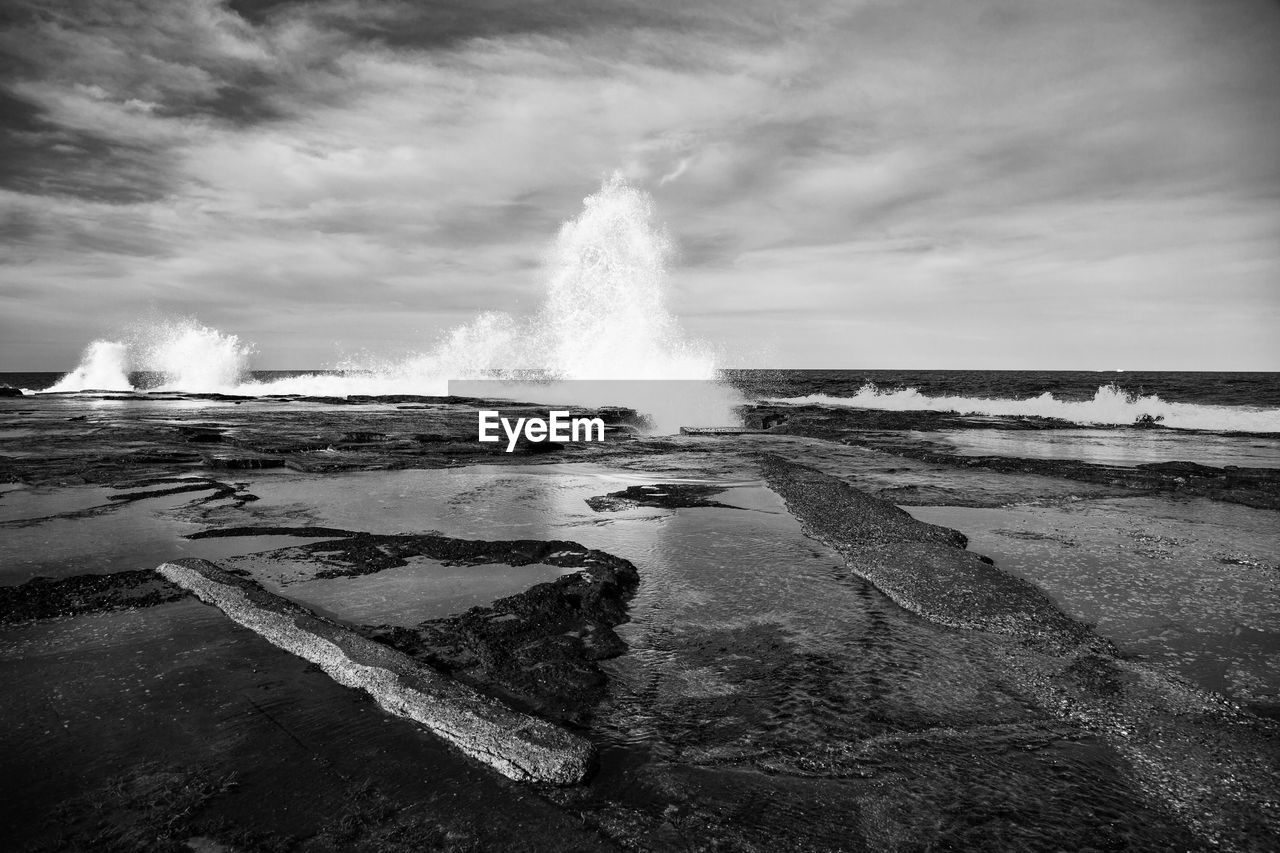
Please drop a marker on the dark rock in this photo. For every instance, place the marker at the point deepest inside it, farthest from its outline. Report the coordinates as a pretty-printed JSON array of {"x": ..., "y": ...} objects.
[
  {"x": 621, "y": 416},
  {"x": 366, "y": 553},
  {"x": 243, "y": 463},
  {"x": 1254, "y": 487},
  {"x": 526, "y": 446},
  {"x": 663, "y": 495},
  {"x": 363, "y": 437},
  {"x": 270, "y": 530},
  {"x": 836, "y": 422},
  {"x": 217, "y": 490},
  {"x": 201, "y": 434},
  {"x": 45, "y": 598},
  {"x": 539, "y": 649}
]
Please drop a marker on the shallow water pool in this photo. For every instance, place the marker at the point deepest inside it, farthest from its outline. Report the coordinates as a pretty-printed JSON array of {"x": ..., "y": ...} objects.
[
  {"x": 1191, "y": 585},
  {"x": 1115, "y": 447}
]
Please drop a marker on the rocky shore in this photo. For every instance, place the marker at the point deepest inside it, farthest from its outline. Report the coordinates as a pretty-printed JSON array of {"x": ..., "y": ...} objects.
[
  {"x": 896, "y": 433},
  {"x": 759, "y": 646}
]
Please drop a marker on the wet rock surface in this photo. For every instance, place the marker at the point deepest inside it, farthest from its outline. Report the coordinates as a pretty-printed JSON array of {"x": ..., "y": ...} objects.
[
  {"x": 172, "y": 728},
  {"x": 305, "y": 434},
  {"x": 520, "y": 747},
  {"x": 922, "y": 567},
  {"x": 742, "y": 694},
  {"x": 1214, "y": 765},
  {"x": 1255, "y": 487},
  {"x": 46, "y": 598},
  {"x": 884, "y": 432},
  {"x": 538, "y": 650},
  {"x": 832, "y": 422}
]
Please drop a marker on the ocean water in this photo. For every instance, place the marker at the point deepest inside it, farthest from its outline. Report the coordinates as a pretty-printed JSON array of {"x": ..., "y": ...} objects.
[
  {"x": 1185, "y": 400},
  {"x": 1252, "y": 389}
]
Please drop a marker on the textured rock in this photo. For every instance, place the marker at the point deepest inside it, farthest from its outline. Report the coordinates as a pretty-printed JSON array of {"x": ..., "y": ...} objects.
[
  {"x": 661, "y": 495},
  {"x": 1195, "y": 754},
  {"x": 519, "y": 746},
  {"x": 922, "y": 567},
  {"x": 47, "y": 598}
]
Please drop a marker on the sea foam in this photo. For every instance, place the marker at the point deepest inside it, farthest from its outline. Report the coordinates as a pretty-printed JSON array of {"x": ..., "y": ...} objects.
[
  {"x": 604, "y": 316},
  {"x": 104, "y": 366},
  {"x": 178, "y": 355},
  {"x": 1111, "y": 405}
]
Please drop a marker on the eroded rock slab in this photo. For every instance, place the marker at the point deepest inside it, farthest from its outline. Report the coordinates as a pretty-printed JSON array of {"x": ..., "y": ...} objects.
[
  {"x": 897, "y": 433},
  {"x": 922, "y": 567},
  {"x": 539, "y": 649},
  {"x": 519, "y": 746},
  {"x": 1193, "y": 753}
]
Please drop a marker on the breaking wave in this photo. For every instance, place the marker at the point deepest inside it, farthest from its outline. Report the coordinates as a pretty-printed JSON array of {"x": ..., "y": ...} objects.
[
  {"x": 174, "y": 355},
  {"x": 1110, "y": 406},
  {"x": 604, "y": 317},
  {"x": 103, "y": 367}
]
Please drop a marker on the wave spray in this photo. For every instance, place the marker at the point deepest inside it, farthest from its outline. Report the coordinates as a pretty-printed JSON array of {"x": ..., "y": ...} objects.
[
  {"x": 604, "y": 317},
  {"x": 174, "y": 355},
  {"x": 1111, "y": 405},
  {"x": 103, "y": 367}
]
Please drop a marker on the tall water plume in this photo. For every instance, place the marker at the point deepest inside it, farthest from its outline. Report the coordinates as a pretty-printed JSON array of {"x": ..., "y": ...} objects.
[
  {"x": 104, "y": 366},
  {"x": 604, "y": 316}
]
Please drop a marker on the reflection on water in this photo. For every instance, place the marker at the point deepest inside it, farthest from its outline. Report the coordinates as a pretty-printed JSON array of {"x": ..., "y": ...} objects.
[
  {"x": 1190, "y": 585},
  {"x": 180, "y": 688},
  {"x": 751, "y": 648},
  {"x": 1157, "y": 576},
  {"x": 766, "y": 691},
  {"x": 404, "y": 595},
  {"x": 24, "y": 502},
  {"x": 120, "y": 537},
  {"x": 1115, "y": 447},
  {"x": 748, "y": 578}
]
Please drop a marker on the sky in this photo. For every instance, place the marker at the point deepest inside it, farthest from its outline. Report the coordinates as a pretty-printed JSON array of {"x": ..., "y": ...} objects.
[{"x": 1000, "y": 184}]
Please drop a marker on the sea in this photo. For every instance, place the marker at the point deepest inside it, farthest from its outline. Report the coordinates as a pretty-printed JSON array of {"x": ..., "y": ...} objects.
[
  {"x": 1248, "y": 390},
  {"x": 1235, "y": 402}
]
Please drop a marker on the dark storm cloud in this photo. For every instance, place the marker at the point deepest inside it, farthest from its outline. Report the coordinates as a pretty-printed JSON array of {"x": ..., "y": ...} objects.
[
  {"x": 894, "y": 175},
  {"x": 39, "y": 157},
  {"x": 429, "y": 25},
  {"x": 97, "y": 99}
]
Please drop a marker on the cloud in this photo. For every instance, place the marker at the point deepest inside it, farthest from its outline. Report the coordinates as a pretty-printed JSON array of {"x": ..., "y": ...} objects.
[{"x": 928, "y": 172}]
